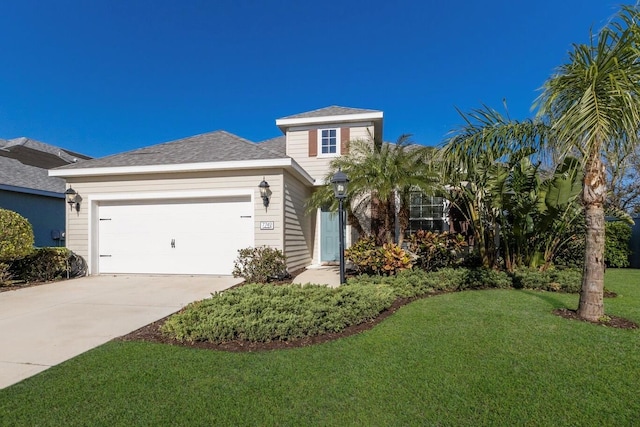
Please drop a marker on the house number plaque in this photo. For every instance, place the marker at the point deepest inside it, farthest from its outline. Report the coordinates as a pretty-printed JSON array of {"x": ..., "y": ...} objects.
[{"x": 266, "y": 225}]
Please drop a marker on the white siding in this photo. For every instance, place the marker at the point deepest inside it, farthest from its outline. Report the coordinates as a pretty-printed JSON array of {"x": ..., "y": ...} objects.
[{"x": 298, "y": 235}]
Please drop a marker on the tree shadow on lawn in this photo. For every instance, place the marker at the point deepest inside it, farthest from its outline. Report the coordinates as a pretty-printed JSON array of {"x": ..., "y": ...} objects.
[{"x": 560, "y": 309}]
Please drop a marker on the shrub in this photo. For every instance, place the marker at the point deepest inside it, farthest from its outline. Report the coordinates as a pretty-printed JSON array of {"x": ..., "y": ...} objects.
[
  {"x": 261, "y": 264},
  {"x": 395, "y": 259},
  {"x": 412, "y": 283},
  {"x": 436, "y": 250},
  {"x": 263, "y": 313},
  {"x": 46, "y": 264},
  {"x": 482, "y": 278},
  {"x": 368, "y": 258},
  {"x": 617, "y": 237},
  {"x": 566, "y": 280},
  {"x": 364, "y": 255},
  {"x": 16, "y": 236},
  {"x": 616, "y": 252},
  {"x": 5, "y": 273},
  {"x": 16, "y": 241}
]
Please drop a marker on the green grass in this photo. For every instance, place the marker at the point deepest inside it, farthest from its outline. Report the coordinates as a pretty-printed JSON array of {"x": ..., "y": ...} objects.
[{"x": 495, "y": 357}]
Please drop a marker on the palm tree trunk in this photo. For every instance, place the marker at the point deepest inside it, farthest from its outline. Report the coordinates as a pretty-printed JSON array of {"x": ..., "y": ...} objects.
[
  {"x": 354, "y": 221},
  {"x": 591, "y": 306}
]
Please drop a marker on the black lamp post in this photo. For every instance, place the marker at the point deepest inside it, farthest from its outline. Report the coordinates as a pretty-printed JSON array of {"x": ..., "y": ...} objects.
[{"x": 340, "y": 182}]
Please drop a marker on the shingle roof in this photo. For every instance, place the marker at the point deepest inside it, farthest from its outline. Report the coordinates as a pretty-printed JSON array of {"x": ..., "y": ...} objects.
[
  {"x": 218, "y": 146},
  {"x": 333, "y": 110},
  {"x": 24, "y": 163},
  {"x": 276, "y": 145},
  {"x": 16, "y": 174},
  {"x": 35, "y": 153}
]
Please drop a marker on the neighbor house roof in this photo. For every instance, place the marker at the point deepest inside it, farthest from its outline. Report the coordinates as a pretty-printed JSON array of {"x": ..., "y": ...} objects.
[
  {"x": 16, "y": 176},
  {"x": 333, "y": 110},
  {"x": 35, "y": 153},
  {"x": 218, "y": 146},
  {"x": 24, "y": 165}
]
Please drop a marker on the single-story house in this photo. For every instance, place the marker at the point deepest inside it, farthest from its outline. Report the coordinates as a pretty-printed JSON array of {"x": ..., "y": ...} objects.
[
  {"x": 27, "y": 188},
  {"x": 187, "y": 206}
]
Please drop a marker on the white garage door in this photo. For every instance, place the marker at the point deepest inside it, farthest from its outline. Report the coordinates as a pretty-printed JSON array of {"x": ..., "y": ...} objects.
[{"x": 175, "y": 236}]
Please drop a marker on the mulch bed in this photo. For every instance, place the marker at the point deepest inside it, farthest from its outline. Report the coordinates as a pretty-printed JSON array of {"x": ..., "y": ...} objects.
[{"x": 610, "y": 321}]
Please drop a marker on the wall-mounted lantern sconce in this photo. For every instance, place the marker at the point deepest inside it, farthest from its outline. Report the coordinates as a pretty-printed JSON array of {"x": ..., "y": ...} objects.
[
  {"x": 265, "y": 193},
  {"x": 73, "y": 199}
]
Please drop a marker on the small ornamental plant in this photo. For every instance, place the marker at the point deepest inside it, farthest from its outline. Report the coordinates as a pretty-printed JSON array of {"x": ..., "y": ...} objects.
[{"x": 260, "y": 265}]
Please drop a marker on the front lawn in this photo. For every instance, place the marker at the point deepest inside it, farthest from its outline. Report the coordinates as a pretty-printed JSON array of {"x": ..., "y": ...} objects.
[{"x": 476, "y": 357}]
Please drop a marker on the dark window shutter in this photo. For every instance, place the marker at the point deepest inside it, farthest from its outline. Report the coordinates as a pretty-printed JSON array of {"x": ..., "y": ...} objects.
[
  {"x": 344, "y": 140},
  {"x": 313, "y": 143}
]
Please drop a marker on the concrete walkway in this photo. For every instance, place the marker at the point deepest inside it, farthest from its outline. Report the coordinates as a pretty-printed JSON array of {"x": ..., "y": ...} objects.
[
  {"x": 45, "y": 325},
  {"x": 323, "y": 275}
]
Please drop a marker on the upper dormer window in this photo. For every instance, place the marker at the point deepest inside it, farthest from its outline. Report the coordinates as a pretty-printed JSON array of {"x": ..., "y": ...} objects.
[{"x": 329, "y": 141}]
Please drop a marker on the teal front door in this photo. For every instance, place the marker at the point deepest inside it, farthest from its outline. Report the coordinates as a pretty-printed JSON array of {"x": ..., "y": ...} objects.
[{"x": 330, "y": 236}]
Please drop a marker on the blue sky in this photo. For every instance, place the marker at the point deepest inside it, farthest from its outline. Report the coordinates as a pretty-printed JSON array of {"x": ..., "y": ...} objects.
[{"x": 105, "y": 76}]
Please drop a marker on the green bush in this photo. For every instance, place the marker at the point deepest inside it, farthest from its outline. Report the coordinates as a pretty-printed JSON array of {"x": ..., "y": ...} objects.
[
  {"x": 412, "y": 283},
  {"x": 436, "y": 250},
  {"x": 16, "y": 236},
  {"x": 16, "y": 241},
  {"x": 388, "y": 259},
  {"x": 263, "y": 313},
  {"x": 364, "y": 255},
  {"x": 617, "y": 237},
  {"x": 260, "y": 265},
  {"x": 616, "y": 252},
  {"x": 565, "y": 280},
  {"x": 42, "y": 265}
]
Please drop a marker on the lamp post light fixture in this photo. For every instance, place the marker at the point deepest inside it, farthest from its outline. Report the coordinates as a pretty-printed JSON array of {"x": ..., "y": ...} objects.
[
  {"x": 73, "y": 199},
  {"x": 340, "y": 183},
  {"x": 264, "y": 192}
]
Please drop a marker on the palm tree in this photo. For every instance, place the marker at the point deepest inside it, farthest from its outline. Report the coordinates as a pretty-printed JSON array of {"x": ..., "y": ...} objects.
[
  {"x": 593, "y": 104},
  {"x": 381, "y": 176}
]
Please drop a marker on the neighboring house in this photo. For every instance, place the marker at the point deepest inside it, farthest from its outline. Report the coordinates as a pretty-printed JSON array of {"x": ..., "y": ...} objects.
[
  {"x": 187, "y": 206},
  {"x": 27, "y": 188}
]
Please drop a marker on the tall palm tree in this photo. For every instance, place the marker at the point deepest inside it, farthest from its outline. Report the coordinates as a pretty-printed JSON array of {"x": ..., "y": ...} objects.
[
  {"x": 593, "y": 103},
  {"x": 380, "y": 177}
]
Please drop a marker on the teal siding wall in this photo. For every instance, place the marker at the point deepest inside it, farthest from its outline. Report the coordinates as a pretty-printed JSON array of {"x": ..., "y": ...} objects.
[{"x": 44, "y": 213}]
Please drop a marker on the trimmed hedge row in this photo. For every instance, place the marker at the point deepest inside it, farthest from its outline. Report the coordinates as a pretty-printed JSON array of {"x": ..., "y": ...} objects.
[{"x": 263, "y": 313}]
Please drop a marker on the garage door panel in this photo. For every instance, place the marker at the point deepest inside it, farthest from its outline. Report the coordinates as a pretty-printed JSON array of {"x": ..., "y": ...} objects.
[{"x": 206, "y": 234}]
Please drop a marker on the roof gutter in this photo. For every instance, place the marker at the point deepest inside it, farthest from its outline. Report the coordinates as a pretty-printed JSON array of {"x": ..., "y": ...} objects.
[{"x": 286, "y": 163}]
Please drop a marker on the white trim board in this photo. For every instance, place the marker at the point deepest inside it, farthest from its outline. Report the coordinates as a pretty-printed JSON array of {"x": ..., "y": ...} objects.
[{"x": 287, "y": 163}]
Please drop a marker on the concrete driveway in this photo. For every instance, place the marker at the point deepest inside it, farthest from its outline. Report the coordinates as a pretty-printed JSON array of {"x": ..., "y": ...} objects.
[{"x": 45, "y": 325}]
